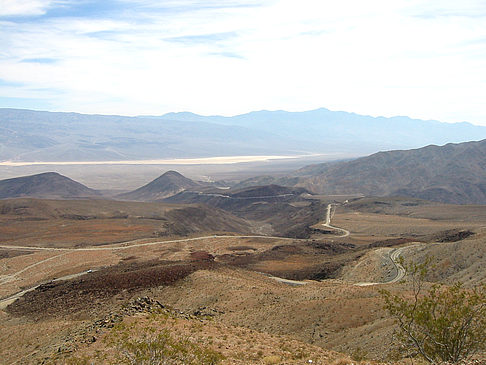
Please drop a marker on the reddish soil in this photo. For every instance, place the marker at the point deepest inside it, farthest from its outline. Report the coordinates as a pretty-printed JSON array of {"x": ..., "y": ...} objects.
[
  {"x": 4, "y": 254},
  {"x": 313, "y": 260},
  {"x": 93, "y": 291}
]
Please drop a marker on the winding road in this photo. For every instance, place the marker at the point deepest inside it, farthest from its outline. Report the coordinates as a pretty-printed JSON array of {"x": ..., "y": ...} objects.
[
  {"x": 400, "y": 270},
  {"x": 328, "y": 222},
  {"x": 394, "y": 255}
]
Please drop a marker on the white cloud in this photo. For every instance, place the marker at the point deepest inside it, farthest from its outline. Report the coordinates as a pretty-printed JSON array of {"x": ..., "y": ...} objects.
[
  {"x": 24, "y": 7},
  {"x": 377, "y": 57}
]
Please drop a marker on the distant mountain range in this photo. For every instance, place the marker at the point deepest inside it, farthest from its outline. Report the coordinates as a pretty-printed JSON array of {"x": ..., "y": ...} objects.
[
  {"x": 27, "y": 135},
  {"x": 454, "y": 173}
]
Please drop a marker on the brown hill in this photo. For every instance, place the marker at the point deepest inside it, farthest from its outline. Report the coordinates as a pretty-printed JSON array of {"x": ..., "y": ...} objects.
[
  {"x": 278, "y": 210},
  {"x": 168, "y": 184},
  {"x": 45, "y": 185},
  {"x": 454, "y": 173}
]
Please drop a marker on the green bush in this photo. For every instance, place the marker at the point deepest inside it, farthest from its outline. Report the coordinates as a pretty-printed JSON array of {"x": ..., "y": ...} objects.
[{"x": 447, "y": 323}]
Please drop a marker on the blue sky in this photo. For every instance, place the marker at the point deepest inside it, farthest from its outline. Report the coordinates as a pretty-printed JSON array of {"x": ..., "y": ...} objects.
[{"x": 421, "y": 58}]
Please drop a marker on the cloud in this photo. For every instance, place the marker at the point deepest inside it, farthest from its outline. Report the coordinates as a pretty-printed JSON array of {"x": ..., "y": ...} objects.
[
  {"x": 149, "y": 57},
  {"x": 227, "y": 54},
  {"x": 24, "y": 7},
  {"x": 450, "y": 8},
  {"x": 39, "y": 60},
  {"x": 202, "y": 38}
]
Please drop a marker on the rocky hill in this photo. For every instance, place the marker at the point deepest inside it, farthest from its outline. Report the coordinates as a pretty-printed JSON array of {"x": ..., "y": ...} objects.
[
  {"x": 168, "y": 184},
  {"x": 454, "y": 173},
  {"x": 279, "y": 210},
  {"x": 45, "y": 185}
]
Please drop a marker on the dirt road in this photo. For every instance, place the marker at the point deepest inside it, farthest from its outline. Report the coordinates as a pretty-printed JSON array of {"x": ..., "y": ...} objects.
[
  {"x": 9, "y": 300},
  {"x": 11, "y": 277},
  {"x": 131, "y": 244},
  {"x": 328, "y": 222}
]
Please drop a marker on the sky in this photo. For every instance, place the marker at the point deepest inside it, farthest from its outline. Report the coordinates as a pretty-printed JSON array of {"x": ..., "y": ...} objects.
[{"x": 420, "y": 58}]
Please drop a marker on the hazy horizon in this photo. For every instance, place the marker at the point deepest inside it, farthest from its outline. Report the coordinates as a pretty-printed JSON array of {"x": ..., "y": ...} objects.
[{"x": 230, "y": 115}]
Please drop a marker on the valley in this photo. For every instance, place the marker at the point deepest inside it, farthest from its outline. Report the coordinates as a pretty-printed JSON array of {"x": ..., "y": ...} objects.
[
  {"x": 263, "y": 182},
  {"x": 223, "y": 261}
]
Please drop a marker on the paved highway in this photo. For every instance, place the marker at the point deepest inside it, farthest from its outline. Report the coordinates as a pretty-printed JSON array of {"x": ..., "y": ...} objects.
[{"x": 400, "y": 270}]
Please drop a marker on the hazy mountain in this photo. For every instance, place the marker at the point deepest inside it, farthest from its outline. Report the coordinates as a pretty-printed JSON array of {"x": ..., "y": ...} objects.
[
  {"x": 27, "y": 135},
  {"x": 454, "y": 173},
  {"x": 342, "y": 131},
  {"x": 46, "y": 185},
  {"x": 168, "y": 184}
]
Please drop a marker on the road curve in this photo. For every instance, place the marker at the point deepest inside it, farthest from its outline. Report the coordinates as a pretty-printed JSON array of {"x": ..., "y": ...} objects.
[
  {"x": 393, "y": 256},
  {"x": 328, "y": 223}
]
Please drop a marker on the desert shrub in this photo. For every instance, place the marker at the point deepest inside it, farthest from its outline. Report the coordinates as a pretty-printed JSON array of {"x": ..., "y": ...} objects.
[
  {"x": 152, "y": 346},
  {"x": 444, "y": 324},
  {"x": 359, "y": 354},
  {"x": 271, "y": 360}
]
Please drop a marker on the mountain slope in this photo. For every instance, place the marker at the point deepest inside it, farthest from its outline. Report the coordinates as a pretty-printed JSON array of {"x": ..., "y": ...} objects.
[
  {"x": 278, "y": 210},
  {"x": 46, "y": 185},
  {"x": 454, "y": 173},
  {"x": 168, "y": 184}
]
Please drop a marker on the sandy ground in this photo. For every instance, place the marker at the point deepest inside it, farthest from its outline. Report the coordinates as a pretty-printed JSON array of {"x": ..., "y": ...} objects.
[
  {"x": 122, "y": 176},
  {"x": 178, "y": 161}
]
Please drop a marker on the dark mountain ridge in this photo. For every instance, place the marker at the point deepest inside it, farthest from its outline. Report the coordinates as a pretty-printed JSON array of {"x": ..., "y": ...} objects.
[
  {"x": 280, "y": 210},
  {"x": 266, "y": 191},
  {"x": 453, "y": 173}
]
